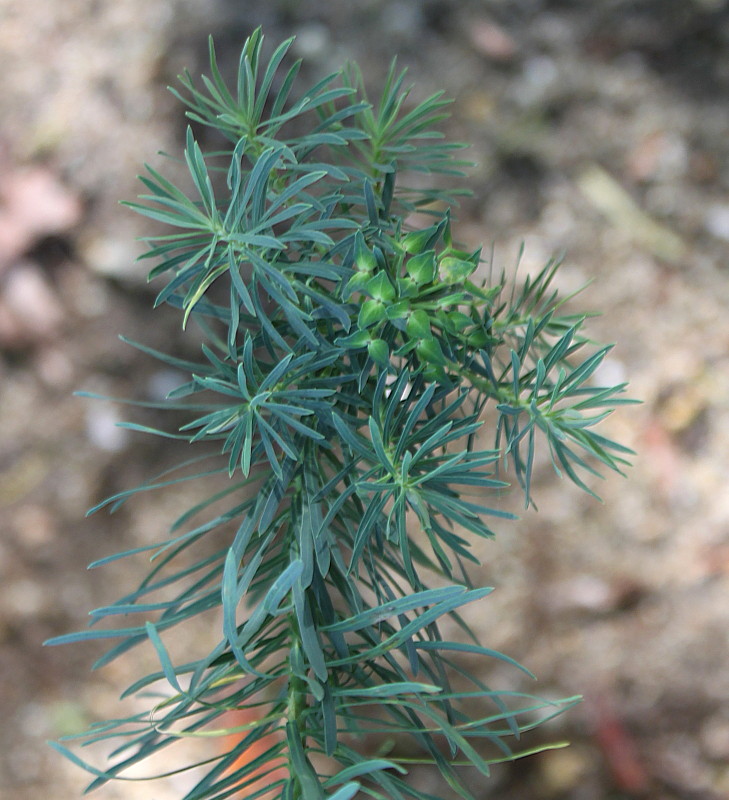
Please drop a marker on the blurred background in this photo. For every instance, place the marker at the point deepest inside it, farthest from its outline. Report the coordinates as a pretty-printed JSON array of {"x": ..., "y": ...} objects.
[{"x": 598, "y": 129}]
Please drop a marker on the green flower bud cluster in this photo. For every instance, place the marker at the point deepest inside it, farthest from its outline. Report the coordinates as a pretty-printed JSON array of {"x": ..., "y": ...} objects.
[{"x": 412, "y": 297}]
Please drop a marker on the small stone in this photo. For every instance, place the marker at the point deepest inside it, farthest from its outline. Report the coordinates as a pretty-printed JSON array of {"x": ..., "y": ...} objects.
[
  {"x": 492, "y": 41},
  {"x": 562, "y": 770},
  {"x": 714, "y": 737},
  {"x": 33, "y": 720},
  {"x": 583, "y": 593},
  {"x": 55, "y": 368},
  {"x": 540, "y": 73},
  {"x": 403, "y": 18},
  {"x": 24, "y": 598},
  {"x": 30, "y": 311},
  {"x": 33, "y": 203},
  {"x": 162, "y": 382},
  {"x": 114, "y": 257},
  {"x": 35, "y": 526},
  {"x": 678, "y": 757},
  {"x": 716, "y": 221},
  {"x": 312, "y": 41},
  {"x": 103, "y": 430},
  {"x": 611, "y": 372},
  {"x": 661, "y": 155}
]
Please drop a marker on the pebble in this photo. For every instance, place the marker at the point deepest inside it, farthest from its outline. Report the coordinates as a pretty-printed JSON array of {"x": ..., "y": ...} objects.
[
  {"x": 677, "y": 757},
  {"x": 404, "y": 19},
  {"x": 162, "y": 382},
  {"x": 24, "y": 765},
  {"x": 24, "y": 598},
  {"x": 33, "y": 204},
  {"x": 539, "y": 79},
  {"x": 611, "y": 372},
  {"x": 30, "y": 310},
  {"x": 102, "y": 428},
  {"x": 312, "y": 41},
  {"x": 714, "y": 737},
  {"x": 492, "y": 41},
  {"x": 562, "y": 770},
  {"x": 583, "y": 593},
  {"x": 55, "y": 368},
  {"x": 716, "y": 221},
  {"x": 662, "y": 155},
  {"x": 35, "y": 526},
  {"x": 115, "y": 256}
]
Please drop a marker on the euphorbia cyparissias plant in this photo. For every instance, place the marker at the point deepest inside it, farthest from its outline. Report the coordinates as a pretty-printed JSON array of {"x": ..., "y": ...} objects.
[{"x": 348, "y": 359}]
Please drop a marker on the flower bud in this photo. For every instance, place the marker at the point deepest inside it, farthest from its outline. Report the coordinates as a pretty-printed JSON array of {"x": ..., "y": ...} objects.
[
  {"x": 421, "y": 268},
  {"x": 455, "y": 270}
]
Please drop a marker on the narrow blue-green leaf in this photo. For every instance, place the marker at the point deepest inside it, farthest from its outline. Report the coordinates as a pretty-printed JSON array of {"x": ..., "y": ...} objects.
[
  {"x": 305, "y": 775},
  {"x": 515, "y": 369},
  {"x": 133, "y": 426},
  {"x": 414, "y": 415},
  {"x": 395, "y": 607},
  {"x": 371, "y": 204},
  {"x": 472, "y": 649},
  {"x": 350, "y": 437},
  {"x": 199, "y": 173},
  {"x": 71, "y": 756},
  {"x": 163, "y": 656},
  {"x": 282, "y": 586},
  {"x": 370, "y": 522},
  {"x": 378, "y": 444},
  {"x": 427, "y": 617},
  {"x": 176, "y": 220},
  {"x": 329, "y": 716},
  {"x": 230, "y": 595},
  {"x": 296, "y": 187},
  {"x": 389, "y": 689},
  {"x": 364, "y": 767},
  {"x": 309, "y": 637},
  {"x": 346, "y": 792},
  {"x": 268, "y": 77}
]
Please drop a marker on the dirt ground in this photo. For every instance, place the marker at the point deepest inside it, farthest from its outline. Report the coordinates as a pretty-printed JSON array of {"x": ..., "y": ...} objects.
[{"x": 600, "y": 130}]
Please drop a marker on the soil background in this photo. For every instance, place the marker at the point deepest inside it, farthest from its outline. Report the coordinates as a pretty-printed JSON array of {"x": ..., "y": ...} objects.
[{"x": 598, "y": 129}]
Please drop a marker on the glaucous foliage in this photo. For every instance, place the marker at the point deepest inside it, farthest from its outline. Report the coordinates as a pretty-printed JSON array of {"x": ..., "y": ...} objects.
[{"x": 346, "y": 364}]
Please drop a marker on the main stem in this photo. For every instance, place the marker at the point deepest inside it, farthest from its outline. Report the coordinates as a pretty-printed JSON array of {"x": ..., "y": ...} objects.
[
  {"x": 297, "y": 688},
  {"x": 296, "y": 707}
]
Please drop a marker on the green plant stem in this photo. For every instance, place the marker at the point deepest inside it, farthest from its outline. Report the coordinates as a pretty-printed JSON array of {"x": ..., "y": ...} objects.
[
  {"x": 296, "y": 707},
  {"x": 297, "y": 688}
]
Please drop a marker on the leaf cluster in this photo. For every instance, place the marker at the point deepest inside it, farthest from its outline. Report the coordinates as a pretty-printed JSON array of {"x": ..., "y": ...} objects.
[{"x": 348, "y": 366}]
